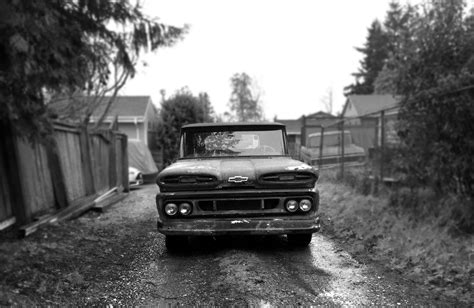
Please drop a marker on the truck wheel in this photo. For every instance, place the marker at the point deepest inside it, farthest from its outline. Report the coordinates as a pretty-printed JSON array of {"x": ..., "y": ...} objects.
[
  {"x": 300, "y": 240},
  {"x": 176, "y": 242}
]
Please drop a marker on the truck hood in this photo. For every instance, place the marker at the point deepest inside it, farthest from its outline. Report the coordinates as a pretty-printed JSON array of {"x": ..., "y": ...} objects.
[{"x": 225, "y": 168}]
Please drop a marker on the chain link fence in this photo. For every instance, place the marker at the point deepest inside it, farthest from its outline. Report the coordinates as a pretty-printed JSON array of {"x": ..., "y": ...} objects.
[{"x": 370, "y": 140}]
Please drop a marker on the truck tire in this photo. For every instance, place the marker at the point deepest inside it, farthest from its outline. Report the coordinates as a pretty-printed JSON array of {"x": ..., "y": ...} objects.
[
  {"x": 299, "y": 240},
  {"x": 176, "y": 243}
]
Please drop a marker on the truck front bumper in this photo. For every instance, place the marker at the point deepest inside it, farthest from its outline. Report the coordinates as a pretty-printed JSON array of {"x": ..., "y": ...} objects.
[{"x": 239, "y": 226}]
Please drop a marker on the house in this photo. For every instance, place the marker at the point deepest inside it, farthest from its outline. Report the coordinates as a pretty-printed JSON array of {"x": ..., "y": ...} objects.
[
  {"x": 362, "y": 107},
  {"x": 363, "y": 114},
  {"x": 137, "y": 117},
  {"x": 303, "y": 126}
]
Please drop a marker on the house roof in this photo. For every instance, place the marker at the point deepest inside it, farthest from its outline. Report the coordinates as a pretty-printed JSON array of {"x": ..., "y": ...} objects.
[
  {"x": 367, "y": 104},
  {"x": 321, "y": 114},
  {"x": 293, "y": 127},
  {"x": 124, "y": 106}
]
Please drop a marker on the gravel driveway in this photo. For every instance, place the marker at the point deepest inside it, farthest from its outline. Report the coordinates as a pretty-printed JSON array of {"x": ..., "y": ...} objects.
[{"x": 118, "y": 258}]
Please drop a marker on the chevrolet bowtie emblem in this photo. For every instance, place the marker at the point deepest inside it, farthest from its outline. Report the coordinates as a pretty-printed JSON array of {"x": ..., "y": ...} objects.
[{"x": 238, "y": 179}]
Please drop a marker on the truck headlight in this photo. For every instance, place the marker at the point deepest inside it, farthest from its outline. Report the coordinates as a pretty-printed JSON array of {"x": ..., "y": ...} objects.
[
  {"x": 171, "y": 209},
  {"x": 291, "y": 206},
  {"x": 305, "y": 205},
  {"x": 185, "y": 208}
]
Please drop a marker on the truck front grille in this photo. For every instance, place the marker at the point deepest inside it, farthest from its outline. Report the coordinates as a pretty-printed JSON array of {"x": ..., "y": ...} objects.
[{"x": 238, "y": 205}]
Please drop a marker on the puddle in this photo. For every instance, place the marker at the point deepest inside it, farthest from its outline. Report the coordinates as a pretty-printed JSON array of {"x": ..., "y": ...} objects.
[{"x": 346, "y": 287}]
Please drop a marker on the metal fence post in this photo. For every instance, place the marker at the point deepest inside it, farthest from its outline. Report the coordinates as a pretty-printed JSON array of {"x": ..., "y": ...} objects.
[
  {"x": 320, "y": 162},
  {"x": 303, "y": 132}
]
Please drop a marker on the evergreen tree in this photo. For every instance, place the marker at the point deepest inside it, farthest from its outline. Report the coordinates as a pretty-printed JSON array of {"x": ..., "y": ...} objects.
[
  {"x": 436, "y": 116},
  {"x": 180, "y": 109},
  {"x": 68, "y": 46},
  {"x": 399, "y": 25},
  {"x": 375, "y": 52}
]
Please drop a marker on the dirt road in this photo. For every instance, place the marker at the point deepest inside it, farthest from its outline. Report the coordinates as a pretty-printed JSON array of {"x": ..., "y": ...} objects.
[{"x": 118, "y": 258}]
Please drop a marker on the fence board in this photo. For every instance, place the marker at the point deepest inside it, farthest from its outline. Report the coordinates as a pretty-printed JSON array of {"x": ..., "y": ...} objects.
[
  {"x": 59, "y": 185},
  {"x": 100, "y": 163},
  {"x": 36, "y": 179},
  {"x": 37, "y": 185},
  {"x": 118, "y": 160},
  {"x": 87, "y": 173},
  {"x": 70, "y": 157}
]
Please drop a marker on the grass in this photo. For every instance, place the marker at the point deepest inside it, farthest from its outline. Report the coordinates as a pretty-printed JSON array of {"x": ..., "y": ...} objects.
[{"x": 409, "y": 230}]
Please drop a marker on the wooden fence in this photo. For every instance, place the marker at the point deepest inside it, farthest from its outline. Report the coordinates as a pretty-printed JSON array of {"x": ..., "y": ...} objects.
[{"x": 40, "y": 179}]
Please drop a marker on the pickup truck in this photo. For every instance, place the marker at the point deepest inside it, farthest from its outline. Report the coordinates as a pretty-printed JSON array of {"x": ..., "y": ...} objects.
[
  {"x": 332, "y": 152},
  {"x": 236, "y": 178}
]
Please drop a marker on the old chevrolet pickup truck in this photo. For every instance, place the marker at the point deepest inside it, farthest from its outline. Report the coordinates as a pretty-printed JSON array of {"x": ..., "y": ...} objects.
[{"x": 236, "y": 178}]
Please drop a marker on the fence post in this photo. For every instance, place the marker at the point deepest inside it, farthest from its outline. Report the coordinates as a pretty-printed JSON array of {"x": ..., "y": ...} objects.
[
  {"x": 57, "y": 175},
  {"x": 112, "y": 161},
  {"x": 342, "y": 149},
  {"x": 19, "y": 209},
  {"x": 382, "y": 143},
  {"x": 303, "y": 132},
  {"x": 86, "y": 161},
  {"x": 124, "y": 149},
  {"x": 321, "y": 143}
]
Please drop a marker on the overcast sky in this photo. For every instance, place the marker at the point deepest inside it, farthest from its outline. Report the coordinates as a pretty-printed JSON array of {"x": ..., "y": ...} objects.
[{"x": 295, "y": 50}]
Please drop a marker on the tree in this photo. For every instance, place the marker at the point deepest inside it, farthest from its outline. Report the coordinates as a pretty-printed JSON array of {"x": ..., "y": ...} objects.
[
  {"x": 327, "y": 100},
  {"x": 385, "y": 83},
  {"x": 436, "y": 120},
  {"x": 180, "y": 109},
  {"x": 69, "y": 47},
  {"x": 207, "y": 109},
  {"x": 375, "y": 53},
  {"x": 245, "y": 99},
  {"x": 399, "y": 25}
]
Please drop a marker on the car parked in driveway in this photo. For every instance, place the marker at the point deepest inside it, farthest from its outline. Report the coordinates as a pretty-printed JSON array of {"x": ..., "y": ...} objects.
[
  {"x": 236, "y": 178},
  {"x": 135, "y": 176}
]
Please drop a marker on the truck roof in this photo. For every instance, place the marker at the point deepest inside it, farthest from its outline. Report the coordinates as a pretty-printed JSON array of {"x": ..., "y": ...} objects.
[{"x": 239, "y": 125}]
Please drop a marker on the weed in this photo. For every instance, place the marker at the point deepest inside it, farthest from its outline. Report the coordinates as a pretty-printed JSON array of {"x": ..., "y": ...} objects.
[{"x": 409, "y": 229}]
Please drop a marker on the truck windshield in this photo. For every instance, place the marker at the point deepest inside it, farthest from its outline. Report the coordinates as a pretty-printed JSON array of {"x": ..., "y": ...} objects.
[{"x": 232, "y": 143}]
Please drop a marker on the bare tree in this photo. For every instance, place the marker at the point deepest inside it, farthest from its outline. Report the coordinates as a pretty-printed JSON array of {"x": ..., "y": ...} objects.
[{"x": 327, "y": 100}]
